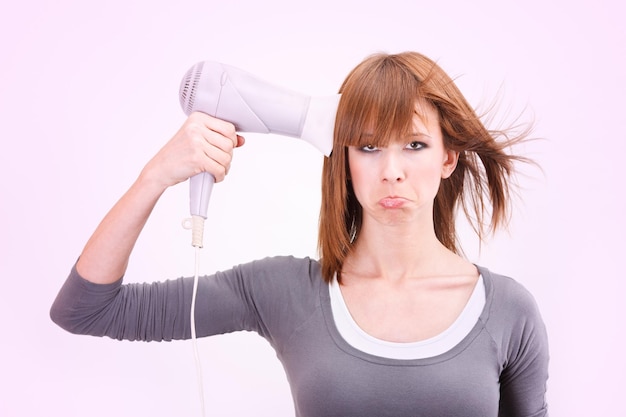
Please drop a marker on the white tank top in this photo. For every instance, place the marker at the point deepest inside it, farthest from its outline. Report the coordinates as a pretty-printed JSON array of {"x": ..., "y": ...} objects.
[{"x": 433, "y": 346}]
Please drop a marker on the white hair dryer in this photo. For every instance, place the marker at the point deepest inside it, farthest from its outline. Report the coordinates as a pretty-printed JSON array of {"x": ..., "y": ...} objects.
[{"x": 254, "y": 106}]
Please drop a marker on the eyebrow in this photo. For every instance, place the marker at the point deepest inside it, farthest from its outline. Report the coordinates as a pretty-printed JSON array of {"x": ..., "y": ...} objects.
[
  {"x": 417, "y": 134},
  {"x": 412, "y": 134}
]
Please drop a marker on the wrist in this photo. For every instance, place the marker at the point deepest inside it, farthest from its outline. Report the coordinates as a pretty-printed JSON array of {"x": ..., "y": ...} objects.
[{"x": 150, "y": 181}]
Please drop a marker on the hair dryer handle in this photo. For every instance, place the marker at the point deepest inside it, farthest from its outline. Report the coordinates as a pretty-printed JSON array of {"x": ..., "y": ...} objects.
[{"x": 200, "y": 187}]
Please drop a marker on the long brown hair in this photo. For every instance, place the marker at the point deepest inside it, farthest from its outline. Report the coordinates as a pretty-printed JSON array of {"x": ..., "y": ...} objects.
[{"x": 381, "y": 94}]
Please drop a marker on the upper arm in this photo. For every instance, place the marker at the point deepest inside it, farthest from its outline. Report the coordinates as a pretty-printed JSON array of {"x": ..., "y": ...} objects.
[{"x": 524, "y": 377}]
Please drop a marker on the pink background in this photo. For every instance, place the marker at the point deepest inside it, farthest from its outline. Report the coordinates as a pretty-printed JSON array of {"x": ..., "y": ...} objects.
[{"x": 89, "y": 92}]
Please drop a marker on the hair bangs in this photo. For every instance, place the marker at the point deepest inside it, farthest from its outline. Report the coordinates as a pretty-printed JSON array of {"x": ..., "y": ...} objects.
[{"x": 377, "y": 104}]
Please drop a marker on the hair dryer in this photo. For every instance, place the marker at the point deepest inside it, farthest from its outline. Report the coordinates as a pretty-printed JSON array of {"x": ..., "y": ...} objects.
[{"x": 253, "y": 106}]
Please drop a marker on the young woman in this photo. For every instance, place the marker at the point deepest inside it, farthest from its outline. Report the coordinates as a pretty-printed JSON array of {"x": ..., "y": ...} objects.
[{"x": 391, "y": 321}]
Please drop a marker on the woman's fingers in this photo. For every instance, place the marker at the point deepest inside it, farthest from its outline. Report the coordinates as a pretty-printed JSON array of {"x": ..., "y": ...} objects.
[
  {"x": 202, "y": 144},
  {"x": 219, "y": 126},
  {"x": 216, "y": 140}
]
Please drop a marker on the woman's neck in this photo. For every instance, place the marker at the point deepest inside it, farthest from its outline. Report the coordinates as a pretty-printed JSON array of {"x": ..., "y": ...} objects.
[{"x": 402, "y": 251}]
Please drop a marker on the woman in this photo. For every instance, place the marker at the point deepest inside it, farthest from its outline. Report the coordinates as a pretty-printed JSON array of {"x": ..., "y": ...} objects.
[{"x": 391, "y": 321}]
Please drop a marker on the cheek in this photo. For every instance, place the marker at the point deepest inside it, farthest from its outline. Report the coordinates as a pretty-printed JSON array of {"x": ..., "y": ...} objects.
[
  {"x": 426, "y": 177},
  {"x": 359, "y": 176},
  {"x": 355, "y": 167},
  {"x": 426, "y": 168},
  {"x": 363, "y": 175}
]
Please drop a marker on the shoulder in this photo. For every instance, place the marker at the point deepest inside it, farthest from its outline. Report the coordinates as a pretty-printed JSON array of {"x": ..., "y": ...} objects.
[
  {"x": 510, "y": 309},
  {"x": 284, "y": 263},
  {"x": 504, "y": 292},
  {"x": 511, "y": 314},
  {"x": 282, "y": 291},
  {"x": 283, "y": 268},
  {"x": 280, "y": 275}
]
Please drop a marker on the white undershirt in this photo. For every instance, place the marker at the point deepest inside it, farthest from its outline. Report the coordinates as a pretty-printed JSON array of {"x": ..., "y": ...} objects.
[{"x": 359, "y": 339}]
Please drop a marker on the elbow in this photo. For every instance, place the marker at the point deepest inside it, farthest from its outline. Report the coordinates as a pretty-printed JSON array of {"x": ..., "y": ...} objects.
[
  {"x": 67, "y": 310},
  {"x": 62, "y": 316}
]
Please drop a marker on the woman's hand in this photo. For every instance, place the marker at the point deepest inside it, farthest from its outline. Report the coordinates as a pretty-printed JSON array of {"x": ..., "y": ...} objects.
[{"x": 202, "y": 144}]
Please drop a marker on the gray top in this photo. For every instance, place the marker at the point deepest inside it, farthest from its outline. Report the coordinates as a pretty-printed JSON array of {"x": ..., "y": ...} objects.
[{"x": 499, "y": 369}]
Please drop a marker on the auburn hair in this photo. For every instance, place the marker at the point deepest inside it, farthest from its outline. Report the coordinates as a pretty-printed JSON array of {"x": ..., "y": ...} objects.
[{"x": 380, "y": 95}]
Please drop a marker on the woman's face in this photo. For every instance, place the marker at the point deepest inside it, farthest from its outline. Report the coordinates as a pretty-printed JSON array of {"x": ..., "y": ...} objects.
[{"x": 399, "y": 182}]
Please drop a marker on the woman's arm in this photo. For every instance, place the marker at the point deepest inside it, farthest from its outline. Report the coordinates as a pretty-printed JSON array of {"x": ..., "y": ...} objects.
[
  {"x": 203, "y": 144},
  {"x": 523, "y": 382}
]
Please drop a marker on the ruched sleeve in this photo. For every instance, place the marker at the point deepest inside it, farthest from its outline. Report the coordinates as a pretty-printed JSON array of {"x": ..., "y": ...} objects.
[{"x": 245, "y": 297}]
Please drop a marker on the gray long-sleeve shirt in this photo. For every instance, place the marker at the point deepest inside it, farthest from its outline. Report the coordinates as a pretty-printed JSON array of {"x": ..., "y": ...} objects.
[{"x": 499, "y": 369}]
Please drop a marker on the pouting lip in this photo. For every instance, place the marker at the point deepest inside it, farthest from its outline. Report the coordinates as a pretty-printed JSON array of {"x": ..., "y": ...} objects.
[{"x": 392, "y": 201}]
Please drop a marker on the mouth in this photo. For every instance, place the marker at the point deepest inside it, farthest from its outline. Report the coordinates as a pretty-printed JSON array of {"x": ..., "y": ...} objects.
[{"x": 392, "y": 202}]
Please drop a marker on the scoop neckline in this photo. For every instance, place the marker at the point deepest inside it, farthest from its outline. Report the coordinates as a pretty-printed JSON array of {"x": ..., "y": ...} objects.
[{"x": 346, "y": 347}]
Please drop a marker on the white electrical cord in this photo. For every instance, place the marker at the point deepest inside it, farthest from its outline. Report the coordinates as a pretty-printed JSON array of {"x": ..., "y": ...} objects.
[
  {"x": 194, "y": 340},
  {"x": 196, "y": 224}
]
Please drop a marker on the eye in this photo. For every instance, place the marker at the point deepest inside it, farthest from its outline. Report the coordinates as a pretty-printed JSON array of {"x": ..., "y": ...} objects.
[
  {"x": 415, "y": 145},
  {"x": 368, "y": 148}
]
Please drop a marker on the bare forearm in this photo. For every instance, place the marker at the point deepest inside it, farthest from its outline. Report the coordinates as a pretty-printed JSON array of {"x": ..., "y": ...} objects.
[
  {"x": 105, "y": 256},
  {"x": 203, "y": 144}
]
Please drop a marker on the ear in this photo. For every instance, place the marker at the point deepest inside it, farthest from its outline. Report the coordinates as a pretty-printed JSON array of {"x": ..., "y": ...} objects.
[{"x": 450, "y": 159}]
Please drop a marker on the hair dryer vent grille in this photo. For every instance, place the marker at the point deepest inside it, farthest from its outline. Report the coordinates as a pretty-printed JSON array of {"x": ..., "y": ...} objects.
[{"x": 188, "y": 87}]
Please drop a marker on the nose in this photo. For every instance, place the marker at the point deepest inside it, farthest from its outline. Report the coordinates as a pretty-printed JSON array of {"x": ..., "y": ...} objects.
[{"x": 392, "y": 169}]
